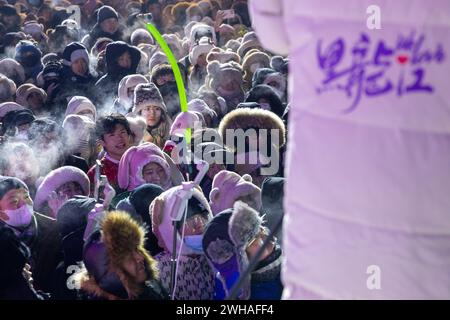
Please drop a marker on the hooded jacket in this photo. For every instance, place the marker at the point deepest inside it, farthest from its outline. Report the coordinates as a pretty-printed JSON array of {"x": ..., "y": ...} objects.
[
  {"x": 71, "y": 83},
  {"x": 103, "y": 13},
  {"x": 110, "y": 81}
]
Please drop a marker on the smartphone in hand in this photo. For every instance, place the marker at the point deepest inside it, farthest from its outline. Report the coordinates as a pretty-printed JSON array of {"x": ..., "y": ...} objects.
[{"x": 227, "y": 14}]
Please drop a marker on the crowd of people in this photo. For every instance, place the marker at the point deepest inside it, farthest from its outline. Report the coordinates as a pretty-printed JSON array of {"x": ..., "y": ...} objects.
[{"x": 93, "y": 142}]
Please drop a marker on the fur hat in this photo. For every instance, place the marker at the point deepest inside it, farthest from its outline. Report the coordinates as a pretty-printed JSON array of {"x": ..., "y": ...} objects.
[
  {"x": 104, "y": 254},
  {"x": 200, "y": 30},
  {"x": 204, "y": 46},
  {"x": 127, "y": 82},
  {"x": 217, "y": 72},
  {"x": 141, "y": 36},
  {"x": 200, "y": 106},
  {"x": 223, "y": 56},
  {"x": 175, "y": 45},
  {"x": 70, "y": 24},
  {"x": 232, "y": 45},
  {"x": 138, "y": 127},
  {"x": 160, "y": 210},
  {"x": 279, "y": 64},
  {"x": 184, "y": 120},
  {"x": 7, "y": 89},
  {"x": 179, "y": 12},
  {"x": 249, "y": 41},
  {"x": 147, "y": 94},
  {"x": 123, "y": 235},
  {"x": 79, "y": 104},
  {"x": 25, "y": 90},
  {"x": 157, "y": 58},
  {"x": 6, "y": 107},
  {"x": 56, "y": 179},
  {"x": 74, "y": 51},
  {"x": 187, "y": 29},
  {"x": 253, "y": 118},
  {"x": 133, "y": 162},
  {"x": 225, "y": 240},
  {"x": 33, "y": 28},
  {"x": 228, "y": 186},
  {"x": 13, "y": 70},
  {"x": 253, "y": 60}
]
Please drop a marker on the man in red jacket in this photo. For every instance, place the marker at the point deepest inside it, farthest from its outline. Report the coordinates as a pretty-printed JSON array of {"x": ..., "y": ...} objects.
[{"x": 114, "y": 134}]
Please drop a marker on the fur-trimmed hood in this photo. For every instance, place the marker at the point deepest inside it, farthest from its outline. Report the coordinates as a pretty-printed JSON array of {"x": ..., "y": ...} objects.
[
  {"x": 56, "y": 179},
  {"x": 160, "y": 210},
  {"x": 133, "y": 162}
]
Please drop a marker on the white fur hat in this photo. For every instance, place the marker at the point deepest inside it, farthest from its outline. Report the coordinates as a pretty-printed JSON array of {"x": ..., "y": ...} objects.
[
  {"x": 79, "y": 104},
  {"x": 188, "y": 28},
  {"x": 139, "y": 35},
  {"x": 6, "y": 107},
  {"x": 133, "y": 162},
  {"x": 223, "y": 56},
  {"x": 25, "y": 90},
  {"x": 70, "y": 24},
  {"x": 204, "y": 46},
  {"x": 228, "y": 186},
  {"x": 184, "y": 120},
  {"x": 199, "y": 31},
  {"x": 157, "y": 58},
  {"x": 55, "y": 179},
  {"x": 127, "y": 82}
]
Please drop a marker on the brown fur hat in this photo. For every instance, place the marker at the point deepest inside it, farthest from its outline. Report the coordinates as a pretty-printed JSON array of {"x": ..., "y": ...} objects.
[
  {"x": 244, "y": 118},
  {"x": 121, "y": 235}
]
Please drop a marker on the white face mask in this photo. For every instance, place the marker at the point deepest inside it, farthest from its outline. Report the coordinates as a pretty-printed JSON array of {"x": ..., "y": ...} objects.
[{"x": 20, "y": 217}]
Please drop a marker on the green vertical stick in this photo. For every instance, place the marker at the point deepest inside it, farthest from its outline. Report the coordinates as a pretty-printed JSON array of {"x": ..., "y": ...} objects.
[{"x": 176, "y": 71}]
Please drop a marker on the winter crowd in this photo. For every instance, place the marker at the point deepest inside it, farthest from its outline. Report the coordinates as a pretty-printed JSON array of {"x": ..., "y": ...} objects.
[{"x": 92, "y": 143}]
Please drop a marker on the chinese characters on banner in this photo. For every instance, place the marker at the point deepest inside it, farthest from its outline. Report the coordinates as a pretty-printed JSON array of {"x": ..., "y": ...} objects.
[{"x": 367, "y": 75}]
